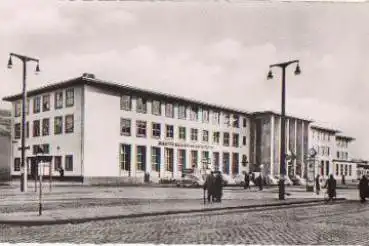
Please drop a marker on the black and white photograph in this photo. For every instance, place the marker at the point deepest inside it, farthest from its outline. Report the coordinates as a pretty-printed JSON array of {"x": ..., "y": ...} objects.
[{"x": 184, "y": 122}]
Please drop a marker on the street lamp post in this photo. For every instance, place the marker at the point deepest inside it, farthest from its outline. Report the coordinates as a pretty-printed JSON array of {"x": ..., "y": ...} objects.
[
  {"x": 24, "y": 59},
  {"x": 283, "y": 65}
]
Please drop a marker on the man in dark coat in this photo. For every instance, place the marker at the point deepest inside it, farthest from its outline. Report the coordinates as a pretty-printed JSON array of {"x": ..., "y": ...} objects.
[
  {"x": 331, "y": 185},
  {"x": 317, "y": 184},
  {"x": 209, "y": 186},
  {"x": 247, "y": 181},
  {"x": 363, "y": 188}
]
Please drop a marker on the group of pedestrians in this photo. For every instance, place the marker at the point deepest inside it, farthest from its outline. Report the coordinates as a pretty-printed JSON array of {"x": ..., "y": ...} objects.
[
  {"x": 258, "y": 181},
  {"x": 214, "y": 186}
]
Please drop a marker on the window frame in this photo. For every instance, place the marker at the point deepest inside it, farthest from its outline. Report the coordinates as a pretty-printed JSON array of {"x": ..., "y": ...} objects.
[{"x": 70, "y": 129}]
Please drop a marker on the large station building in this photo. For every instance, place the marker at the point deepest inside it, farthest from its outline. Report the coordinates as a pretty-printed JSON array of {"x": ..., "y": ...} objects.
[{"x": 99, "y": 132}]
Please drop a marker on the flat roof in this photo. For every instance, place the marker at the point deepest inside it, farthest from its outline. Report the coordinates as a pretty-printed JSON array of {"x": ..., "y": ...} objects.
[
  {"x": 108, "y": 85},
  {"x": 326, "y": 129},
  {"x": 270, "y": 112}
]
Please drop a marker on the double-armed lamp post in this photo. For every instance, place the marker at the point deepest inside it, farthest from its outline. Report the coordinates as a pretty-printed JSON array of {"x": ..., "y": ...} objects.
[
  {"x": 282, "y": 167},
  {"x": 24, "y": 59}
]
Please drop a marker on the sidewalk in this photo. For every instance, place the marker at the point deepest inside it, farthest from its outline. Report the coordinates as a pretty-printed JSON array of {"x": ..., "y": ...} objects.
[{"x": 65, "y": 205}]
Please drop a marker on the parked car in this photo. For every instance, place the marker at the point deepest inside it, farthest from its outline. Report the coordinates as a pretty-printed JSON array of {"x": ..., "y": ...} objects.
[{"x": 190, "y": 180}]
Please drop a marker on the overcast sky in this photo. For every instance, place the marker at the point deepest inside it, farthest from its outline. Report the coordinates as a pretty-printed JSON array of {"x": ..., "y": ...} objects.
[{"x": 215, "y": 51}]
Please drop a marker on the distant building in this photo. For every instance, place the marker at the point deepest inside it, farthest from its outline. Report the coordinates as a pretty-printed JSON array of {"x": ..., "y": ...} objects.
[{"x": 5, "y": 145}]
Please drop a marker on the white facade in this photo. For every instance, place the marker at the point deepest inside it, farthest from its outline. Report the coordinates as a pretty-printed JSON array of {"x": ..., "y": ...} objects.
[{"x": 95, "y": 145}]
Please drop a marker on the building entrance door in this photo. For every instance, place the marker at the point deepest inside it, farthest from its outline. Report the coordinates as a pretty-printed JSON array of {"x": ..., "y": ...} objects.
[{"x": 34, "y": 168}]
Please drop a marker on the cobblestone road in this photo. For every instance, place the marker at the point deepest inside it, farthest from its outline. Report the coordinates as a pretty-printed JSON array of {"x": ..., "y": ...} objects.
[{"x": 344, "y": 223}]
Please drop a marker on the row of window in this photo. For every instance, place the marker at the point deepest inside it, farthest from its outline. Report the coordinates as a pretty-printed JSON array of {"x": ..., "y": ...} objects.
[
  {"x": 342, "y": 155},
  {"x": 194, "y": 111},
  {"x": 341, "y": 143},
  {"x": 182, "y": 162},
  {"x": 321, "y": 135},
  {"x": 43, "y": 126},
  {"x": 323, "y": 150},
  {"x": 44, "y": 100},
  {"x": 57, "y": 163},
  {"x": 156, "y": 132},
  {"x": 341, "y": 169}
]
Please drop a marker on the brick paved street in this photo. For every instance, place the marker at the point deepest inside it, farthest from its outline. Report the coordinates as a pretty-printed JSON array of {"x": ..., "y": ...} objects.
[{"x": 344, "y": 223}]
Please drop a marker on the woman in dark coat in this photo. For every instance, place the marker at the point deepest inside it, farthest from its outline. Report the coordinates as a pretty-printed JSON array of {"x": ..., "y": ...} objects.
[
  {"x": 218, "y": 188},
  {"x": 363, "y": 188},
  {"x": 247, "y": 181},
  {"x": 331, "y": 185}
]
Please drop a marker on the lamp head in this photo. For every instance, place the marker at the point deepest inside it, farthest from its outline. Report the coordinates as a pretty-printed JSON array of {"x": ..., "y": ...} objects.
[
  {"x": 37, "y": 68},
  {"x": 298, "y": 70},
  {"x": 10, "y": 62},
  {"x": 270, "y": 74}
]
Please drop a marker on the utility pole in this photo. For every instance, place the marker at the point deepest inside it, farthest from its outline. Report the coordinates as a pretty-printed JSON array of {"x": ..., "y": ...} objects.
[
  {"x": 282, "y": 167},
  {"x": 24, "y": 59}
]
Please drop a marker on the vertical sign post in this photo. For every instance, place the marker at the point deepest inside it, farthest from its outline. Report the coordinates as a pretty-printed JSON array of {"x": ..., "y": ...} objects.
[{"x": 40, "y": 193}]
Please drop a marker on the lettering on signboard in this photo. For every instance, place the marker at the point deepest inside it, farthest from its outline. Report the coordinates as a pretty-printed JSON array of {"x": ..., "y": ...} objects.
[{"x": 184, "y": 145}]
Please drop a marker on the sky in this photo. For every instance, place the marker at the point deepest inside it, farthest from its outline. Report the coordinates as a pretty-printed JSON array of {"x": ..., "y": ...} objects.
[{"x": 215, "y": 51}]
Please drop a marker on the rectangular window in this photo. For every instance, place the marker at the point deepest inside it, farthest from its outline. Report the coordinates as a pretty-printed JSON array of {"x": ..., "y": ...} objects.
[
  {"x": 57, "y": 162},
  {"x": 58, "y": 125},
  {"x": 182, "y": 112},
  {"x": 194, "y": 158},
  {"x": 327, "y": 168},
  {"x": 155, "y": 159},
  {"x": 46, "y": 102},
  {"x": 216, "y": 118},
  {"x": 235, "y": 161},
  {"x": 125, "y": 127},
  {"x": 226, "y": 163},
  {"x": 36, "y": 128},
  {"x": 27, "y": 106},
  {"x": 235, "y": 140},
  {"x": 169, "y": 131},
  {"x": 226, "y": 120},
  {"x": 141, "y": 105},
  {"x": 226, "y": 139},
  {"x": 69, "y": 97},
  {"x": 45, "y": 127},
  {"x": 205, "y": 115},
  {"x": 182, "y": 133},
  {"x": 205, "y": 136},
  {"x": 68, "y": 163},
  {"x": 141, "y": 158},
  {"x": 16, "y": 164},
  {"x": 337, "y": 169},
  {"x": 141, "y": 128},
  {"x": 36, "y": 104},
  {"x": 156, "y": 107},
  {"x": 244, "y": 122},
  {"x": 27, "y": 129},
  {"x": 216, "y": 161},
  {"x": 194, "y": 113},
  {"x": 69, "y": 123},
  {"x": 341, "y": 169},
  {"x": 328, "y": 151},
  {"x": 236, "y": 121},
  {"x": 216, "y": 137},
  {"x": 346, "y": 170},
  {"x": 17, "y": 131},
  {"x": 156, "y": 130},
  {"x": 17, "y": 109},
  {"x": 338, "y": 154},
  {"x": 126, "y": 103},
  {"x": 181, "y": 159},
  {"x": 58, "y": 100},
  {"x": 322, "y": 168},
  {"x": 205, "y": 159},
  {"x": 169, "y": 110},
  {"x": 244, "y": 140},
  {"x": 169, "y": 159},
  {"x": 45, "y": 148},
  {"x": 193, "y": 134},
  {"x": 350, "y": 170},
  {"x": 125, "y": 157}
]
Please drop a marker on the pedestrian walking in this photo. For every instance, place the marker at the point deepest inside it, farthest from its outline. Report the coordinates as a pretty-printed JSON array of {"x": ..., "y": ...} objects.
[
  {"x": 247, "y": 181},
  {"x": 343, "y": 180},
  {"x": 218, "y": 187},
  {"x": 331, "y": 186},
  {"x": 363, "y": 188},
  {"x": 317, "y": 184},
  {"x": 209, "y": 186},
  {"x": 260, "y": 182},
  {"x": 61, "y": 172}
]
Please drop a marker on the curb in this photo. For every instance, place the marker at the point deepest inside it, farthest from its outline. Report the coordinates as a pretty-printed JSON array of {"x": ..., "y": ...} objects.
[{"x": 262, "y": 207}]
